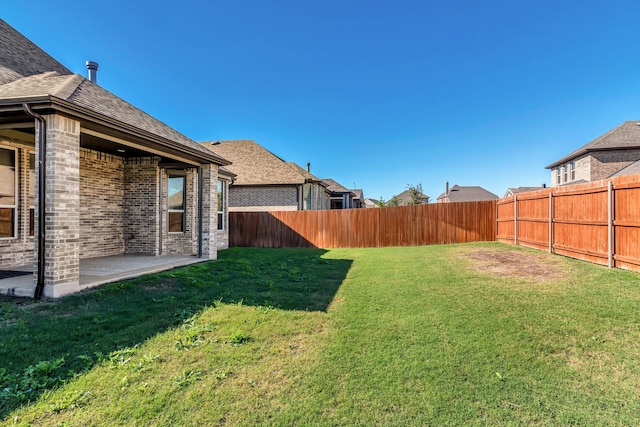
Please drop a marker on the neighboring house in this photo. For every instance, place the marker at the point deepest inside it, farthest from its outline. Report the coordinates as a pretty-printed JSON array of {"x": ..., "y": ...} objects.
[
  {"x": 358, "y": 198},
  {"x": 114, "y": 179},
  {"x": 371, "y": 203},
  {"x": 459, "y": 193},
  {"x": 265, "y": 182},
  {"x": 601, "y": 158},
  {"x": 315, "y": 195},
  {"x": 405, "y": 199},
  {"x": 341, "y": 197},
  {"x": 511, "y": 191}
]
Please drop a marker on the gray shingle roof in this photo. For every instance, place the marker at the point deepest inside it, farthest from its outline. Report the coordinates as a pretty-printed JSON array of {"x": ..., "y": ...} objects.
[
  {"x": 459, "y": 193},
  {"x": 335, "y": 187},
  {"x": 632, "y": 169},
  {"x": 625, "y": 136},
  {"x": 254, "y": 164},
  {"x": 45, "y": 84},
  {"x": 27, "y": 78},
  {"x": 222, "y": 171},
  {"x": 20, "y": 57},
  {"x": 308, "y": 176},
  {"x": 516, "y": 190}
]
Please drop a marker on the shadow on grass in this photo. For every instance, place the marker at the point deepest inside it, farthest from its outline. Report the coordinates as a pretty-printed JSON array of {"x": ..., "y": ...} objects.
[{"x": 47, "y": 342}]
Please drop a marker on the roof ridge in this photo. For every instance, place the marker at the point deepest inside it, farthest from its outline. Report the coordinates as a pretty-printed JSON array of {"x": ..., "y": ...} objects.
[{"x": 67, "y": 87}]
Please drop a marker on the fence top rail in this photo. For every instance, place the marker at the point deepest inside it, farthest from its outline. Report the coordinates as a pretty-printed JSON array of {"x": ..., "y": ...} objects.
[
  {"x": 581, "y": 192},
  {"x": 628, "y": 186},
  {"x": 533, "y": 197}
]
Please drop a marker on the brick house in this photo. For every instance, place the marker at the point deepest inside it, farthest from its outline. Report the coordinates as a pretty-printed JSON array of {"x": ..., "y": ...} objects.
[
  {"x": 85, "y": 174},
  {"x": 600, "y": 158},
  {"x": 265, "y": 182},
  {"x": 342, "y": 197}
]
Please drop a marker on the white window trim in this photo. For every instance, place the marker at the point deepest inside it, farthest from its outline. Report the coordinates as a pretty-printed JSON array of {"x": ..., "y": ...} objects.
[
  {"x": 16, "y": 201},
  {"x": 224, "y": 187}
]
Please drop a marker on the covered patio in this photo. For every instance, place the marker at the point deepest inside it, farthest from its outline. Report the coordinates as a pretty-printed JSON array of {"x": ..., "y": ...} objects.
[
  {"x": 98, "y": 271},
  {"x": 85, "y": 174}
]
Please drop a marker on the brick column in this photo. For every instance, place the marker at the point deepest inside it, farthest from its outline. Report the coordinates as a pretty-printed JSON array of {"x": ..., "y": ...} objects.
[
  {"x": 141, "y": 206},
  {"x": 62, "y": 218},
  {"x": 209, "y": 211}
]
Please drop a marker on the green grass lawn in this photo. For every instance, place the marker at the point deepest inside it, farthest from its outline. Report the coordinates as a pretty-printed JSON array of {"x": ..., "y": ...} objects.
[{"x": 476, "y": 334}]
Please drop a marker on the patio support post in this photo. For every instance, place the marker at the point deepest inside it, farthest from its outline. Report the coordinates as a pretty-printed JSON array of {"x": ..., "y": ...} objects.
[
  {"x": 62, "y": 198},
  {"x": 209, "y": 212}
]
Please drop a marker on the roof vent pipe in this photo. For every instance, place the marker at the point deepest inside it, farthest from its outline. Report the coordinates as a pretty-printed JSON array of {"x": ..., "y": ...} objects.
[
  {"x": 308, "y": 167},
  {"x": 446, "y": 188},
  {"x": 92, "y": 68}
]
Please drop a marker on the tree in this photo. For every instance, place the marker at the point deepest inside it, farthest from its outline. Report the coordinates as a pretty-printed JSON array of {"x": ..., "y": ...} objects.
[
  {"x": 394, "y": 201},
  {"x": 380, "y": 202},
  {"x": 416, "y": 196}
]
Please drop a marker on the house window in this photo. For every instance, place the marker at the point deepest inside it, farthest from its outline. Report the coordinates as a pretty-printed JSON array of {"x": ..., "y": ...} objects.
[
  {"x": 565, "y": 173},
  {"x": 222, "y": 193},
  {"x": 175, "y": 203},
  {"x": 307, "y": 197},
  {"x": 558, "y": 173},
  {"x": 572, "y": 171},
  {"x": 32, "y": 193},
  {"x": 8, "y": 191}
]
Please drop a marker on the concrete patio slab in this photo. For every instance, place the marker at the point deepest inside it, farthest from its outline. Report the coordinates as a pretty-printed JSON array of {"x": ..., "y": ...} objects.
[{"x": 98, "y": 271}]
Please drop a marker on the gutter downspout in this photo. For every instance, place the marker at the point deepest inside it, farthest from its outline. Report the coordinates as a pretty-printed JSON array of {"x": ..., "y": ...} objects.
[{"x": 42, "y": 168}]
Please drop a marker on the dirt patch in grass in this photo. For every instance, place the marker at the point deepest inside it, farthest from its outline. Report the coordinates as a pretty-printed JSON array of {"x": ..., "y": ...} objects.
[{"x": 539, "y": 267}]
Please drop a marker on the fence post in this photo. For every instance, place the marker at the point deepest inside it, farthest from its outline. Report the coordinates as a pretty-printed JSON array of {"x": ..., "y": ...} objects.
[
  {"x": 550, "y": 222},
  {"x": 610, "y": 224},
  {"x": 515, "y": 219}
]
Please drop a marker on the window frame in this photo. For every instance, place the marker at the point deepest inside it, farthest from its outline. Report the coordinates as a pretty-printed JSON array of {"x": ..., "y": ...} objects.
[
  {"x": 16, "y": 201},
  {"x": 565, "y": 173},
  {"x": 183, "y": 176},
  {"x": 307, "y": 197},
  {"x": 221, "y": 190},
  {"x": 572, "y": 171},
  {"x": 31, "y": 229}
]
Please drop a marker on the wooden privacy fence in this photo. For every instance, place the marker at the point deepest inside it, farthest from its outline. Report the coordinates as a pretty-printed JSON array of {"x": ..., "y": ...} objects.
[
  {"x": 364, "y": 228},
  {"x": 597, "y": 222}
]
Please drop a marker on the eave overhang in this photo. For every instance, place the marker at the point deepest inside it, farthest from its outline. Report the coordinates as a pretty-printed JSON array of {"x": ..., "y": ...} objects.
[
  {"x": 584, "y": 151},
  {"x": 107, "y": 125}
]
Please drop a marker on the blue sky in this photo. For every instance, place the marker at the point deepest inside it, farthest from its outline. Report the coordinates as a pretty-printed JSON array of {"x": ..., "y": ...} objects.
[{"x": 374, "y": 94}]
